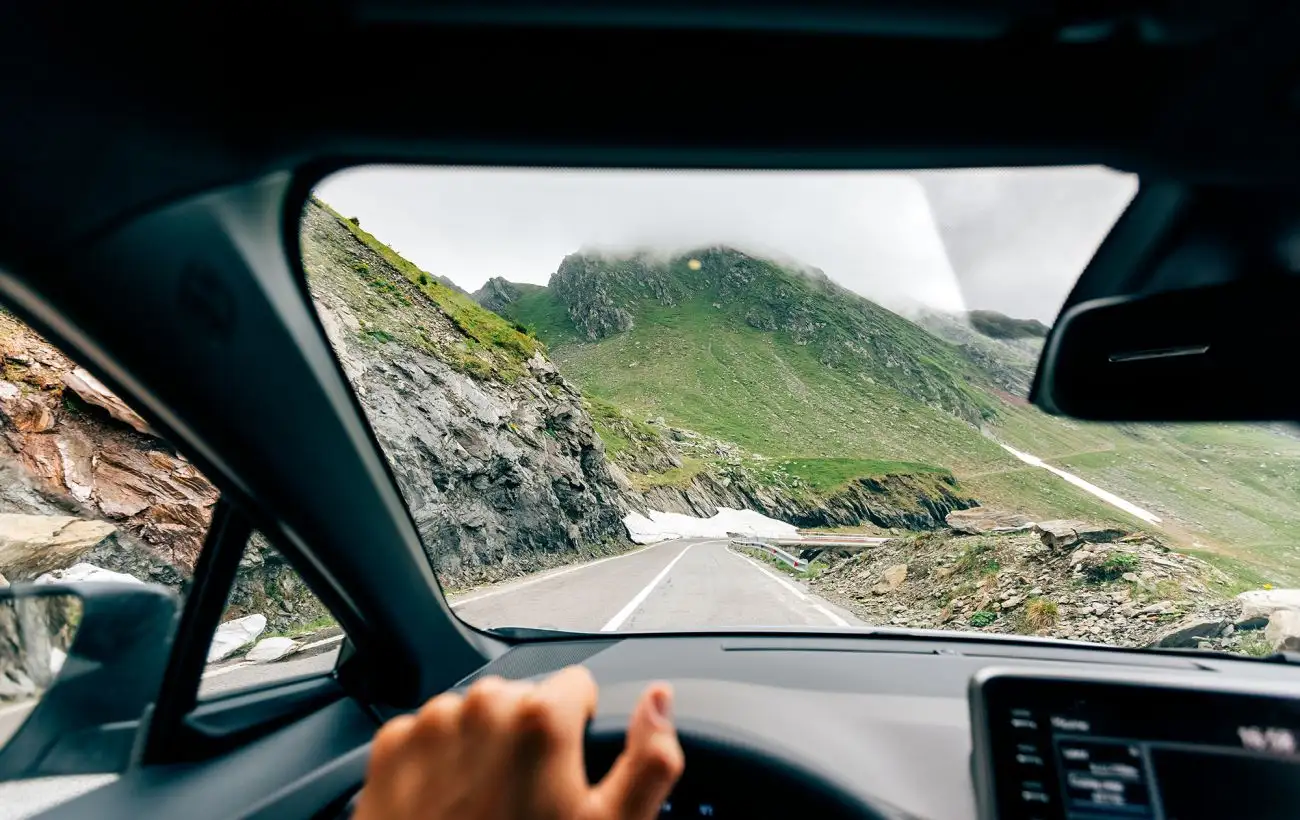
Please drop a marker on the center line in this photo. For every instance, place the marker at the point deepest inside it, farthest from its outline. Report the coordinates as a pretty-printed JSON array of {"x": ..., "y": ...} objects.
[{"x": 626, "y": 612}]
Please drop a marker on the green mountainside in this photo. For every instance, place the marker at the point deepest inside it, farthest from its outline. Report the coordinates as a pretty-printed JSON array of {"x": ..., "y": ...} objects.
[{"x": 829, "y": 387}]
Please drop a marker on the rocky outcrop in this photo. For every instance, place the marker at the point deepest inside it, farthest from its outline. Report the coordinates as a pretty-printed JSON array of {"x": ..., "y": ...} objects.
[
  {"x": 70, "y": 447},
  {"x": 503, "y": 474},
  {"x": 981, "y": 520},
  {"x": 497, "y": 294},
  {"x": 31, "y": 545},
  {"x": 1134, "y": 592},
  {"x": 906, "y": 502}
]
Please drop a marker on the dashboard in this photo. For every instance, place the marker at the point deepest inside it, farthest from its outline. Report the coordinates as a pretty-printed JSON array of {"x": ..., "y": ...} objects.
[{"x": 879, "y": 726}]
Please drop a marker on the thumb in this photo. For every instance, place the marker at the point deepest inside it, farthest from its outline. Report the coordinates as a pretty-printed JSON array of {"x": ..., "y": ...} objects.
[{"x": 651, "y": 761}]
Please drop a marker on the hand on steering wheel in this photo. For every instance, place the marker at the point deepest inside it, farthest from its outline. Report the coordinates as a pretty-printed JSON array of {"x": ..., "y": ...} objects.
[{"x": 512, "y": 749}]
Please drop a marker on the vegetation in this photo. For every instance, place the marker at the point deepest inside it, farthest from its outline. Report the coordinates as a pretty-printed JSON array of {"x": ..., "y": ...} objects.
[
  {"x": 1040, "y": 614},
  {"x": 830, "y": 474},
  {"x": 1112, "y": 567},
  {"x": 506, "y": 348},
  {"x": 982, "y": 618},
  {"x": 1000, "y": 326}
]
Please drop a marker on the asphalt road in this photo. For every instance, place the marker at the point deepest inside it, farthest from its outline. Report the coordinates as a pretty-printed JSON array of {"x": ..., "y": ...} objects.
[{"x": 675, "y": 585}]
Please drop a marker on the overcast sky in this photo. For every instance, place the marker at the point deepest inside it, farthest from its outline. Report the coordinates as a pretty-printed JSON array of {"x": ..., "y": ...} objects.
[{"x": 1013, "y": 241}]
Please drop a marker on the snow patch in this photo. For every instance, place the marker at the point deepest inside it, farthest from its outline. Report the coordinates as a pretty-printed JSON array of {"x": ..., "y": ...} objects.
[{"x": 662, "y": 526}]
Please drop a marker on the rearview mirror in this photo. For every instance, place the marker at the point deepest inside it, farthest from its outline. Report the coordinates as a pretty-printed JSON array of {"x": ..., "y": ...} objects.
[
  {"x": 1216, "y": 353},
  {"x": 79, "y": 663}
]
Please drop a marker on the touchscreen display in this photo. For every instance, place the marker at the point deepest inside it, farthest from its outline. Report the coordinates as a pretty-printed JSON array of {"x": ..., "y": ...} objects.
[{"x": 1080, "y": 750}]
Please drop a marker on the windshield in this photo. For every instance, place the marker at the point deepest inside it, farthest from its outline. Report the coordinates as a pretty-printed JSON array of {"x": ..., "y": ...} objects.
[{"x": 685, "y": 400}]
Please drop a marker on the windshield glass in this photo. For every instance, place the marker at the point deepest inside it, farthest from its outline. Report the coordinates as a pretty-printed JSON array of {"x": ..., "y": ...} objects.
[{"x": 684, "y": 400}]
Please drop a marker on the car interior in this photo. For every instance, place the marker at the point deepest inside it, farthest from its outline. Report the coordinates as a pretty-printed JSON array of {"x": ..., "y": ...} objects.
[{"x": 156, "y": 164}]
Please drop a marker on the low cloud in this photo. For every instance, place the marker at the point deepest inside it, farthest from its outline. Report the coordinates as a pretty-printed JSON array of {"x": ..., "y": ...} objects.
[{"x": 894, "y": 237}]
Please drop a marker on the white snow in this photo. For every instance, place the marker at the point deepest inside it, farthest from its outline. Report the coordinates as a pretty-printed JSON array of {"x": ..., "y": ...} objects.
[
  {"x": 86, "y": 572},
  {"x": 233, "y": 634},
  {"x": 1105, "y": 495},
  {"x": 661, "y": 526}
]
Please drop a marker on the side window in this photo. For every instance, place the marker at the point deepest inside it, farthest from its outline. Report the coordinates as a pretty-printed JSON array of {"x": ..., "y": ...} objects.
[
  {"x": 273, "y": 627},
  {"x": 88, "y": 491}
]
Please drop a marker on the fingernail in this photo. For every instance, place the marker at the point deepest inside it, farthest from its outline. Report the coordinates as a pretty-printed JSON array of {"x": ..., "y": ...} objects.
[{"x": 661, "y": 708}]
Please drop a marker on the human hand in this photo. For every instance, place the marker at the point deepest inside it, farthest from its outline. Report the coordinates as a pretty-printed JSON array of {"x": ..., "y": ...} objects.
[{"x": 512, "y": 749}]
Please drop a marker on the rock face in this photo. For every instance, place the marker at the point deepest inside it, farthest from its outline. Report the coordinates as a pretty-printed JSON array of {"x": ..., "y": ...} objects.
[
  {"x": 1058, "y": 534},
  {"x": 980, "y": 520},
  {"x": 31, "y": 545},
  {"x": 85, "y": 482},
  {"x": 70, "y": 447},
  {"x": 499, "y": 463}
]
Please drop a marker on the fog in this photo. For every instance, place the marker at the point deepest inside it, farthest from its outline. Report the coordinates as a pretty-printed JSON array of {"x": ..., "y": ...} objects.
[{"x": 1013, "y": 241}]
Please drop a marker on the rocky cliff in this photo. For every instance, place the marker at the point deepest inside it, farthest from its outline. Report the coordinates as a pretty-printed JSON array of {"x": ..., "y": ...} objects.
[
  {"x": 83, "y": 479},
  {"x": 73, "y": 449},
  {"x": 492, "y": 449}
]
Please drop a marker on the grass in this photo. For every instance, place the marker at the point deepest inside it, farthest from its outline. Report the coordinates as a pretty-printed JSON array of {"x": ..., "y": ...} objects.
[
  {"x": 976, "y": 560},
  {"x": 1255, "y": 644},
  {"x": 830, "y": 474},
  {"x": 1112, "y": 567},
  {"x": 815, "y": 568},
  {"x": 680, "y": 477},
  {"x": 306, "y": 628},
  {"x": 1040, "y": 615}
]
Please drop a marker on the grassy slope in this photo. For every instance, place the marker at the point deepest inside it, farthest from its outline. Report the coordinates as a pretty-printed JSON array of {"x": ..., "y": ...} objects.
[
  {"x": 701, "y": 368},
  {"x": 484, "y": 329},
  {"x": 1228, "y": 491}
]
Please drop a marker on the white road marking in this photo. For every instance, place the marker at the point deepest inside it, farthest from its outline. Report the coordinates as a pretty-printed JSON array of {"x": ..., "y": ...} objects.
[
  {"x": 639, "y": 598},
  {"x": 321, "y": 642},
  {"x": 835, "y": 619},
  {"x": 548, "y": 576},
  {"x": 800, "y": 594},
  {"x": 216, "y": 673}
]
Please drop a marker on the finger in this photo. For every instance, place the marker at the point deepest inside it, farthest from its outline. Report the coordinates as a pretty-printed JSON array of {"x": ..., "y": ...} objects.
[
  {"x": 491, "y": 708},
  {"x": 561, "y": 705},
  {"x": 651, "y": 762},
  {"x": 552, "y": 722}
]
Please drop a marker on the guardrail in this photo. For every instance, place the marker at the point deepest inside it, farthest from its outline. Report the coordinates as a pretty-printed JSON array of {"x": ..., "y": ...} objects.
[{"x": 774, "y": 551}]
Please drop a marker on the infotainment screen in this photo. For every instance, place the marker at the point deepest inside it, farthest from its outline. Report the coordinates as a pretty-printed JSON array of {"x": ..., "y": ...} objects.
[{"x": 1087, "y": 749}]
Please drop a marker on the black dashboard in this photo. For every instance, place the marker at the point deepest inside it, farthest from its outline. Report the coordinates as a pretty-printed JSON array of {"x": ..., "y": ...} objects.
[{"x": 949, "y": 729}]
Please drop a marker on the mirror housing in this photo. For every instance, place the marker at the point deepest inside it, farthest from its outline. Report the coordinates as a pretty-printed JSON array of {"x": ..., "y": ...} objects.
[
  {"x": 1213, "y": 353},
  {"x": 88, "y": 718}
]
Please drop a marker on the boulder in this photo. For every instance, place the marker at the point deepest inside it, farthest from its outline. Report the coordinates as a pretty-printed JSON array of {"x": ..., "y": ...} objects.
[
  {"x": 1185, "y": 633},
  {"x": 34, "y": 544},
  {"x": 981, "y": 520},
  {"x": 1283, "y": 630},
  {"x": 232, "y": 635},
  {"x": 891, "y": 579},
  {"x": 92, "y": 391},
  {"x": 271, "y": 649},
  {"x": 1057, "y": 534},
  {"x": 1262, "y": 603}
]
